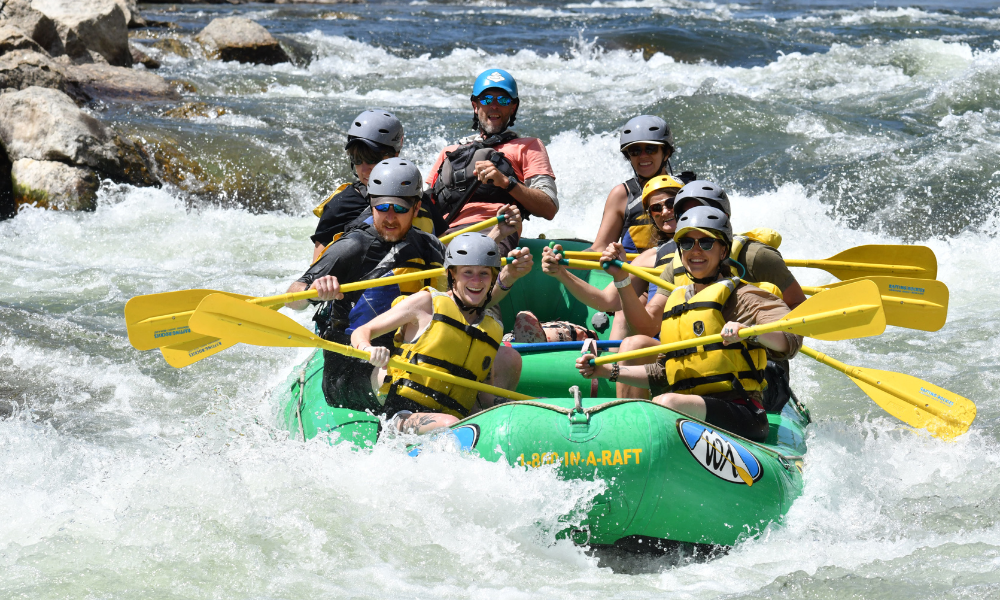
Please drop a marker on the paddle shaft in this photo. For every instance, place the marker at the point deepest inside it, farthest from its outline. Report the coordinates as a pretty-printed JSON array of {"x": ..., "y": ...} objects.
[
  {"x": 473, "y": 228},
  {"x": 307, "y": 294},
  {"x": 789, "y": 325},
  {"x": 856, "y": 373}
]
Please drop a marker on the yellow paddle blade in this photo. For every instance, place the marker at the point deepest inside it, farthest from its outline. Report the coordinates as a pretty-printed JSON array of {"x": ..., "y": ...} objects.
[
  {"x": 156, "y": 320},
  {"x": 918, "y": 262},
  {"x": 914, "y": 401},
  {"x": 859, "y": 303},
  {"x": 912, "y": 303},
  {"x": 182, "y": 355},
  {"x": 236, "y": 321}
]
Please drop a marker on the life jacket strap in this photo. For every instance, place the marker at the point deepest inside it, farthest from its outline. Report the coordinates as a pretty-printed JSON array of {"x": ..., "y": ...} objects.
[
  {"x": 686, "y": 306},
  {"x": 470, "y": 330},
  {"x": 439, "y": 397},
  {"x": 456, "y": 370}
]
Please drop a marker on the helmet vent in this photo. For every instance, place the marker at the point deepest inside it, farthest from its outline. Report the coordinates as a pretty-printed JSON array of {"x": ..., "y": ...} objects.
[
  {"x": 462, "y": 252},
  {"x": 383, "y": 131},
  {"x": 628, "y": 131},
  {"x": 654, "y": 128},
  {"x": 377, "y": 182},
  {"x": 713, "y": 217},
  {"x": 407, "y": 182},
  {"x": 357, "y": 124}
]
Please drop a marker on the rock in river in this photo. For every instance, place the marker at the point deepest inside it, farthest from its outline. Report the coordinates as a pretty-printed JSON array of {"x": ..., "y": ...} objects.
[
  {"x": 90, "y": 30},
  {"x": 119, "y": 83},
  {"x": 51, "y": 184},
  {"x": 236, "y": 38}
]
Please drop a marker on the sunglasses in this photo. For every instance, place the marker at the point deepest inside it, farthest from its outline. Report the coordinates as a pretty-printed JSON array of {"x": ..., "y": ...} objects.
[
  {"x": 399, "y": 210},
  {"x": 638, "y": 150},
  {"x": 687, "y": 243},
  {"x": 487, "y": 99},
  {"x": 661, "y": 206}
]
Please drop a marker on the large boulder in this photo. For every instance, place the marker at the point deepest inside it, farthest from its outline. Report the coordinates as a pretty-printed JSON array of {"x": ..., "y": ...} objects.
[
  {"x": 26, "y": 68},
  {"x": 12, "y": 38},
  {"x": 51, "y": 184},
  {"x": 90, "y": 30},
  {"x": 236, "y": 38},
  {"x": 46, "y": 125},
  {"x": 131, "y": 10},
  {"x": 119, "y": 83},
  {"x": 37, "y": 26}
]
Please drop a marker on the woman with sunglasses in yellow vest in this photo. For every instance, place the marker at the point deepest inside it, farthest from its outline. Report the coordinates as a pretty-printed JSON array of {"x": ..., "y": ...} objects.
[{"x": 721, "y": 384}]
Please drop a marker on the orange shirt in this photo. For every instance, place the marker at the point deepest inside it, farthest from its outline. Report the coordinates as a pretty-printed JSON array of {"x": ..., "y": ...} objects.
[{"x": 528, "y": 157}]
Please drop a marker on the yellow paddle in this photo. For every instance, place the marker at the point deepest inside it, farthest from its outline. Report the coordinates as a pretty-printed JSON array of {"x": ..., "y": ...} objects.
[
  {"x": 915, "y": 402},
  {"x": 847, "y": 312},
  {"x": 918, "y": 262},
  {"x": 227, "y": 318},
  {"x": 912, "y": 400},
  {"x": 912, "y": 303},
  {"x": 156, "y": 320}
]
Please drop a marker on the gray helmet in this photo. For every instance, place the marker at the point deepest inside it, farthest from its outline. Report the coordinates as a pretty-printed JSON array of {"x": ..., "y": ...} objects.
[
  {"x": 648, "y": 129},
  {"x": 705, "y": 218},
  {"x": 706, "y": 193},
  {"x": 395, "y": 177},
  {"x": 473, "y": 249},
  {"x": 376, "y": 126}
]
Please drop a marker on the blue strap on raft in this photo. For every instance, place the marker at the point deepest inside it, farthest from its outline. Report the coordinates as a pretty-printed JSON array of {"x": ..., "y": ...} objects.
[{"x": 554, "y": 346}]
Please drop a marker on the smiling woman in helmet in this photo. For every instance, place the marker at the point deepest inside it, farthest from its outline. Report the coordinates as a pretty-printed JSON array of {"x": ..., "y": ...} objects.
[
  {"x": 647, "y": 144},
  {"x": 722, "y": 383},
  {"x": 448, "y": 331}
]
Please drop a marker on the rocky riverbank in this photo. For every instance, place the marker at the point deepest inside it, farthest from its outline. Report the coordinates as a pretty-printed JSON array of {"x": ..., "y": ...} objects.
[{"x": 64, "y": 62}]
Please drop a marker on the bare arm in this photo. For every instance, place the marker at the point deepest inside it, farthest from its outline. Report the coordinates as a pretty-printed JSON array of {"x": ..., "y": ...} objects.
[
  {"x": 605, "y": 300},
  {"x": 536, "y": 201},
  {"x": 519, "y": 263},
  {"x": 631, "y": 375},
  {"x": 327, "y": 286},
  {"x": 644, "y": 319},
  {"x": 613, "y": 219},
  {"x": 417, "y": 309}
]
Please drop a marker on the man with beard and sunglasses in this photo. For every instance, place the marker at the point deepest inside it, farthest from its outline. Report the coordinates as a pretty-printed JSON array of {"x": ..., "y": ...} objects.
[
  {"x": 389, "y": 245},
  {"x": 373, "y": 136},
  {"x": 471, "y": 180}
]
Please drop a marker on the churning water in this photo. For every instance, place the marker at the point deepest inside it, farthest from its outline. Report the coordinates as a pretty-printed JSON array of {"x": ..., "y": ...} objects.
[{"x": 837, "y": 123}]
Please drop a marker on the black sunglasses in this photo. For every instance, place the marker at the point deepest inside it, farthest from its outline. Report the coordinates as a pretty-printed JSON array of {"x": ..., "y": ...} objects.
[
  {"x": 687, "y": 243},
  {"x": 660, "y": 206},
  {"x": 638, "y": 150},
  {"x": 487, "y": 99}
]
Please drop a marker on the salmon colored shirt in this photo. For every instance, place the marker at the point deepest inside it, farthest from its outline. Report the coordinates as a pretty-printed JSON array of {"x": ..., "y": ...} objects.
[{"x": 528, "y": 157}]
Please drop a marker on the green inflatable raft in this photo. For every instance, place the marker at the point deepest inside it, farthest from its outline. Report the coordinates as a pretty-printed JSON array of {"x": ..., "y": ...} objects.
[{"x": 669, "y": 478}]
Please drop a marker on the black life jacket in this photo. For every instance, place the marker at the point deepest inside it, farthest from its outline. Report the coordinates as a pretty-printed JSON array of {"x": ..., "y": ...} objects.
[
  {"x": 418, "y": 251},
  {"x": 456, "y": 174}
]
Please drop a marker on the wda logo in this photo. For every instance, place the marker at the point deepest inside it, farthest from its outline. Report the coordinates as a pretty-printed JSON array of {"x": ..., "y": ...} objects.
[{"x": 721, "y": 456}]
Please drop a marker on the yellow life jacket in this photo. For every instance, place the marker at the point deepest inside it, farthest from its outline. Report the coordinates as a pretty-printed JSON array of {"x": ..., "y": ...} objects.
[
  {"x": 763, "y": 235},
  {"x": 449, "y": 344},
  {"x": 713, "y": 369}
]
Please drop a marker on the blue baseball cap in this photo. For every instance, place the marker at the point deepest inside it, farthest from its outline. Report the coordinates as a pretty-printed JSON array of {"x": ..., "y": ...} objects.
[{"x": 495, "y": 78}]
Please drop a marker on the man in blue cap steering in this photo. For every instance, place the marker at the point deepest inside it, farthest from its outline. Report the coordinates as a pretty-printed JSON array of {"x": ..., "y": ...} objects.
[{"x": 477, "y": 178}]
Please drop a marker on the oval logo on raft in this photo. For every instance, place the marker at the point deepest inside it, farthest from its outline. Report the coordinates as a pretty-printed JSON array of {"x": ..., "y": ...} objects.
[{"x": 718, "y": 454}]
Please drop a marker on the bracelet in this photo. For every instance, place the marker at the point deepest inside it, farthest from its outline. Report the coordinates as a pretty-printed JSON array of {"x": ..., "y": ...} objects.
[
  {"x": 624, "y": 283},
  {"x": 502, "y": 286},
  {"x": 615, "y": 371}
]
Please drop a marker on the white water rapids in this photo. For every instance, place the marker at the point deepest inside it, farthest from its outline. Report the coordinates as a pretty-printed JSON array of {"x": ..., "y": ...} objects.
[{"x": 121, "y": 477}]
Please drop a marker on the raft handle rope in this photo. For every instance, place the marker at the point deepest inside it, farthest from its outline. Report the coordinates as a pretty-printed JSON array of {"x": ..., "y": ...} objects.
[{"x": 298, "y": 406}]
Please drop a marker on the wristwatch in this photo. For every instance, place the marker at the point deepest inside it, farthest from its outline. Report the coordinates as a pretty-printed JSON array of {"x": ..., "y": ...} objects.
[
  {"x": 624, "y": 283},
  {"x": 513, "y": 182}
]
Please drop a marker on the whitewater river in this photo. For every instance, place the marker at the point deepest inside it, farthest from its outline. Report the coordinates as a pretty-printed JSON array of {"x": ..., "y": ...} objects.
[{"x": 838, "y": 124}]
